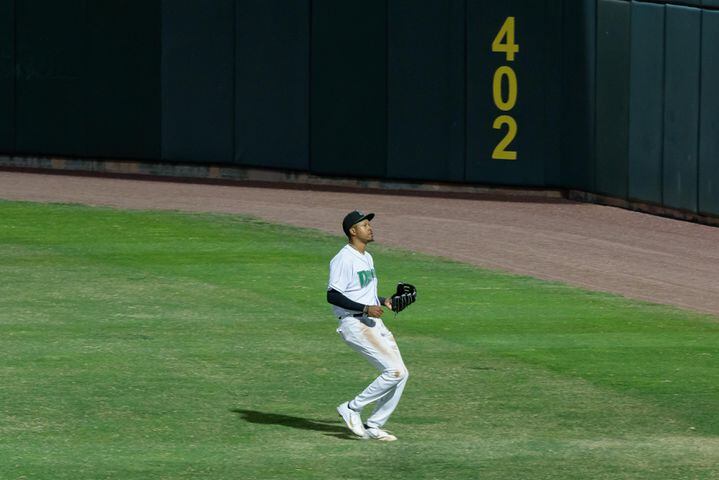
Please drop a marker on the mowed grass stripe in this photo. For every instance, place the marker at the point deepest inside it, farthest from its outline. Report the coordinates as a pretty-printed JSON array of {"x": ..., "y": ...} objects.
[{"x": 170, "y": 345}]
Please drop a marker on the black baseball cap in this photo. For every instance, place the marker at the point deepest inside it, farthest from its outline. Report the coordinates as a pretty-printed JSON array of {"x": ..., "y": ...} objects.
[{"x": 354, "y": 217}]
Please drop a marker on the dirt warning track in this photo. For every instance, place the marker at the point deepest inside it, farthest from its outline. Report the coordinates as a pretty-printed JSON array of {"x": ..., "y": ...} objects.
[{"x": 595, "y": 247}]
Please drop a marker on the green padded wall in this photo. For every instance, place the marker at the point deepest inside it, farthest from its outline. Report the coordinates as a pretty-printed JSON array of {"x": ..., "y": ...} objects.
[
  {"x": 198, "y": 80},
  {"x": 426, "y": 89},
  {"x": 551, "y": 93},
  {"x": 393, "y": 89},
  {"x": 7, "y": 76},
  {"x": 578, "y": 72},
  {"x": 349, "y": 88},
  {"x": 535, "y": 112},
  {"x": 272, "y": 83},
  {"x": 612, "y": 127},
  {"x": 681, "y": 109},
  {"x": 709, "y": 118},
  {"x": 123, "y": 78},
  {"x": 50, "y": 100},
  {"x": 646, "y": 111}
]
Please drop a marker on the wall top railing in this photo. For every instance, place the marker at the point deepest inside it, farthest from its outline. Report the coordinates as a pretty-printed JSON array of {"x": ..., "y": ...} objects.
[{"x": 701, "y": 4}]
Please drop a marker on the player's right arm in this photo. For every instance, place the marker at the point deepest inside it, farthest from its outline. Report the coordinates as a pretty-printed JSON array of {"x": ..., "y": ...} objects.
[{"x": 336, "y": 298}]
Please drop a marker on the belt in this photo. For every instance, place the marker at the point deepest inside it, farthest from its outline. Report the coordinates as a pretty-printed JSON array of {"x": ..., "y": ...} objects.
[{"x": 356, "y": 315}]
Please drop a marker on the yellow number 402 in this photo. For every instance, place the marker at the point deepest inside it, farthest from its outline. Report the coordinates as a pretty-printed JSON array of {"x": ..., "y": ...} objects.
[{"x": 504, "y": 41}]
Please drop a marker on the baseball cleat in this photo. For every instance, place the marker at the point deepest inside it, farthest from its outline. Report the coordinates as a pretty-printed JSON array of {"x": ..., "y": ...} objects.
[
  {"x": 378, "y": 434},
  {"x": 352, "y": 419}
]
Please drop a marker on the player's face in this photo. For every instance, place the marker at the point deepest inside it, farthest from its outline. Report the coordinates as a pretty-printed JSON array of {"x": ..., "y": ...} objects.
[{"x": 363, "y": 231}]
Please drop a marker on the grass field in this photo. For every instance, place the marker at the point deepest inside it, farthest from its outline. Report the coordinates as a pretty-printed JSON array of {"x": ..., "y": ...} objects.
[{"x": 147, "y": 345}]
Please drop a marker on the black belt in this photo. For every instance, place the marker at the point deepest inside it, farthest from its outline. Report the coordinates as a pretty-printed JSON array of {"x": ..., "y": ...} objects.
[{"x": 356, "y": 315}]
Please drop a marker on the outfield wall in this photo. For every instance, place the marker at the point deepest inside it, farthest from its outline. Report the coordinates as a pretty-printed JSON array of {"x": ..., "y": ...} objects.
[
  {"x": 608, "y": 97},
  {"x": 388, "y": 89},
  {"x": 657, "y": 107}
]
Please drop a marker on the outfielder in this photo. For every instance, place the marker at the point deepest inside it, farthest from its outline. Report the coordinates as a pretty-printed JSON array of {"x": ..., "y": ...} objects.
[{"x": 352, "y": 291}]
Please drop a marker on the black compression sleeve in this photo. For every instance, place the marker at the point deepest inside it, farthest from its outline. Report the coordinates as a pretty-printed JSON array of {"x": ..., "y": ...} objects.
[{"x": 336, "y": 298}]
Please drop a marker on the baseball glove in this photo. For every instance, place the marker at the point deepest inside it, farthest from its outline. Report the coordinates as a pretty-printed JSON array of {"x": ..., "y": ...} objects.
[{"x": 405, "y": 295}]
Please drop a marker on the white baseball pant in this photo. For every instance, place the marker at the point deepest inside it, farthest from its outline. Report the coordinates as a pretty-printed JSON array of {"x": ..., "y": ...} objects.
[{"x": 378, "y": 346}]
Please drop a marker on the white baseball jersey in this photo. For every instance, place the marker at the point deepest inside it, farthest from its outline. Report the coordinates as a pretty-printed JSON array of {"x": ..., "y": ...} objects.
[{"x": 352, "y": 274}]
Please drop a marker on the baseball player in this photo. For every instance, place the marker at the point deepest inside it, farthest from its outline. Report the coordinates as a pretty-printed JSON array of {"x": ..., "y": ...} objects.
[{"x": 352, "y": 291}]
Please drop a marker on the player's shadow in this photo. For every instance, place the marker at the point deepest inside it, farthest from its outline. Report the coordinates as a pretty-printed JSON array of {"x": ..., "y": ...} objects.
[{"x": 332, "y": 429}]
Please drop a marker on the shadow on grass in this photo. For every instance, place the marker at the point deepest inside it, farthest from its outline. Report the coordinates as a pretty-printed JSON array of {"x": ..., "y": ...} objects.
[{"x": 331, "y": 429}]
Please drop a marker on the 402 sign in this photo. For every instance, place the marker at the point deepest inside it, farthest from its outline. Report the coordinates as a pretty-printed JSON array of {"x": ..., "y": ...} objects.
[
  {"x": 513, "y": 92},
  {"x": 505, "y": 99}
]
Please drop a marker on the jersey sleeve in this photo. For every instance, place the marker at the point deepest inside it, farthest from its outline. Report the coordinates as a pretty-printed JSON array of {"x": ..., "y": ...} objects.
[{"x": 340, "y": 274}]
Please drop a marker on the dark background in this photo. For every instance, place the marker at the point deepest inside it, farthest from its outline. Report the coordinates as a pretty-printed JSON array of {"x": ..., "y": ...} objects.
[{"x": 614, "y": 97}]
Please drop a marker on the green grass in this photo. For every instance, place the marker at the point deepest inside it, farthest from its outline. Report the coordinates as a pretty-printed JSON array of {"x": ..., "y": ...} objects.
[{"x": 145, "y": 345}]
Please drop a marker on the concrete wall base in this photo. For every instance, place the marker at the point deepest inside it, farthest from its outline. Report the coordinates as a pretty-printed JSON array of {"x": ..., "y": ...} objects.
[
  {"x": 638, "y": 206},
  {"x": 258, "y": 177}
]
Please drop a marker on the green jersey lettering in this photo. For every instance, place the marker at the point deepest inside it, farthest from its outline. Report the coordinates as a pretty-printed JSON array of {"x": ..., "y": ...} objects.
[{"x": 366, "y": 276}]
